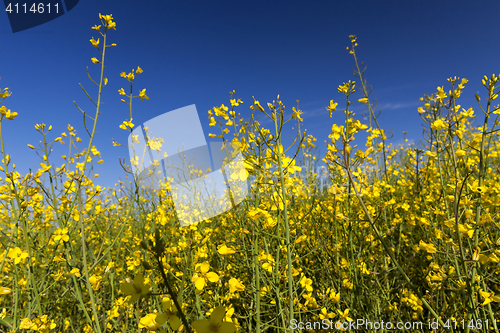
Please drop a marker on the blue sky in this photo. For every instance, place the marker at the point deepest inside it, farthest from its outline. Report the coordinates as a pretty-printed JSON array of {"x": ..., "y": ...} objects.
[{"x": 195, "y": 52}]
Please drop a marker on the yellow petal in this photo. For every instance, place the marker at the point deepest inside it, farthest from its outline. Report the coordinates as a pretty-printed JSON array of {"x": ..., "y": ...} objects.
[
  {"x": 139, "y": 280},
  {"x": 162, "y": 318},
  {"x": 217, "y": 315},
  {"x": 212, "y": 277},
  {"x": 225, "y": 250},
  {"x": 199, "y": 283},
  {"x": 127, "y": 288},
  {"x": 201, "y": 326},
  {"x": 227, "y": 327},
  {"x": 174, "y": 322},
  {"x": 4, "y": 291},
  {"x": 204, "y": 267}
]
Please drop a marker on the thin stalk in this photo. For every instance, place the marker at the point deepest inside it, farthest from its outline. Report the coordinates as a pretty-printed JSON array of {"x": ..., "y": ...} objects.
[
  {"x": 285, "y": 213},
  {"x": 482, "y": 162},
  {"x": 85, "y": 267},
  {"x": 173, "y": 295}
]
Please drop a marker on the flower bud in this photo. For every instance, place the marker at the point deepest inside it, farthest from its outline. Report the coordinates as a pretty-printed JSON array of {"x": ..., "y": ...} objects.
[
  {"x": 147, "y": 266},
  {"x": 144, "y": 244}
]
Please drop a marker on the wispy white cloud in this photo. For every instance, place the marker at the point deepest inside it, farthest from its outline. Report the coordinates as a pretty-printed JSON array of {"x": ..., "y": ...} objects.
[
  {"x": 389, "y": 90},
  {"x": 314, "y": 112},
  {"x": 397, "y": 106}
]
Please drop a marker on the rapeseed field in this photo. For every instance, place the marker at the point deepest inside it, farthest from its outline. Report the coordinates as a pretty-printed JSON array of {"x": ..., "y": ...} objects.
[{"x": 385, "y": 236}]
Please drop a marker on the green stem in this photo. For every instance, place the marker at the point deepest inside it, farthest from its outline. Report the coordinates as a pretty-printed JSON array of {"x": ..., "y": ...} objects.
[
  {"x": 285, "y": 213},
  {"x": 173, "y": 295}
]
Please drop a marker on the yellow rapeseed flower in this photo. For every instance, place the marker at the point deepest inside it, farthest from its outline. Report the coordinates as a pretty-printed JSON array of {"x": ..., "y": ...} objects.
[
  {"x": 7, "y": 113},
  {"x": 199, "y": 279},
  {"x": 18, "y": 255},
  {"x": 224, "y": 250},
  {"x": 95, "y": 281},
  {"x": 215, "y": 324},
  {"x": 439, "y": 124},
  {"x": 4, "y": 291},
  {"x": 306, "y": 283},
  {"x": 127, "y": 124},
  {"x": 235, "y": 102},
  {"x": 6, "y": 93},
  {"x": 61, "y": 234},
  {"x": 137, "y": 289},
  {"x": 296, "y": 114},
  {"x": 95, "y": 43},
  {"x": 345, "y": 314},
  {"x": 75, "y": 271},
  {"x": 149, "y": 322},
  {"x": 235, "y": 285},
  {"x": 169, "y": 315},
  {"x": 142, "y": 94},
  {"x": 429, "y": 248},
  {"x": 488, "y": 297}
]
